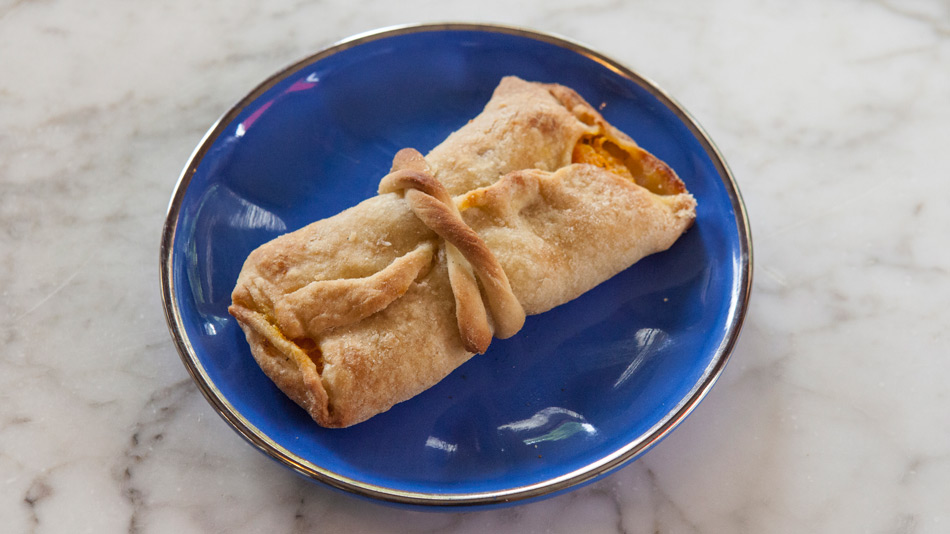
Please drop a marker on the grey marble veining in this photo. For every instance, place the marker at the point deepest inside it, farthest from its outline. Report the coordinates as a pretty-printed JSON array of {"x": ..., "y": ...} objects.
[{"x": 831, "y": 417}]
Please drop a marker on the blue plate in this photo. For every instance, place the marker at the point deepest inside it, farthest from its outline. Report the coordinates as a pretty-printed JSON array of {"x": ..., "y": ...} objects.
[{"x": 580, "y": 391}]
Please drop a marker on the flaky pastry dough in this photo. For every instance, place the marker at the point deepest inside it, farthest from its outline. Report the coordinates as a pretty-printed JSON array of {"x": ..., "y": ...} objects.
[{"x": 533, "y": 202}]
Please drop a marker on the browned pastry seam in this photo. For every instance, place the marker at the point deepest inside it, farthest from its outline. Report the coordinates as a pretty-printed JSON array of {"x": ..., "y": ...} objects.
[{"x": 467, "y": 255}]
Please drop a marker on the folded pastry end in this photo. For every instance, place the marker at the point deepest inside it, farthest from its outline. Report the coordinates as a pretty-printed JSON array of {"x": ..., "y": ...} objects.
[{"x": 293, "y": 371}]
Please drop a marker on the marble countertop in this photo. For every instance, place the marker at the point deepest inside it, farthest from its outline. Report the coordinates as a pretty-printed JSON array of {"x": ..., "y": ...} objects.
[{"x": 833, "y": 415}]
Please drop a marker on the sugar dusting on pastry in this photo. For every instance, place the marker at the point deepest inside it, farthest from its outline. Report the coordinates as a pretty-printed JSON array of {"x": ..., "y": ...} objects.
[{"x": 530, "y": 204}]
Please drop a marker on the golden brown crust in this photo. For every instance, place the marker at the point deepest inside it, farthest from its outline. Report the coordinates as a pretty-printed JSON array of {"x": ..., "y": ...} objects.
[
  {"x": 548, "y": 230},
  {"x": 523, "y": 126},
  {"x": 368, "y": 308}
]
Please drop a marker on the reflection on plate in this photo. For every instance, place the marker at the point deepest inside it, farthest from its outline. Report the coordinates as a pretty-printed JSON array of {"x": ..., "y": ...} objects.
[{"x": 580, "y": 391}]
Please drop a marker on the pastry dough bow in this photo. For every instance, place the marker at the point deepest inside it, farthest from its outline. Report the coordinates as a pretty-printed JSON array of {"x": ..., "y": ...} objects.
[{"x": 467, "y": 255}]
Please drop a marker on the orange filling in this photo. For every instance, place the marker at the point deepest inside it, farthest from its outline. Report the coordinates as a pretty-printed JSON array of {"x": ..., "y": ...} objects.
[
  {"x": 312, "y": 350},
  {"x": 598, "y": 150},
  {"x": 633, "y": 164}
]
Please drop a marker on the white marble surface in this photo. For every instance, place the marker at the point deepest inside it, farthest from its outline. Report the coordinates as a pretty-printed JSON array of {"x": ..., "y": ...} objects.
[{"x": 833, "y": 416}]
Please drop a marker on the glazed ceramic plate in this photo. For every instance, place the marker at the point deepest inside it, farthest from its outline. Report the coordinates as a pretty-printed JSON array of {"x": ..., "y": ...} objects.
[{"x": 580, "y": 391}]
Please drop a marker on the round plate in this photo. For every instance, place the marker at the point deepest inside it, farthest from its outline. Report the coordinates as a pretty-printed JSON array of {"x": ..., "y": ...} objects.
[{"x": 580, "y": 391}]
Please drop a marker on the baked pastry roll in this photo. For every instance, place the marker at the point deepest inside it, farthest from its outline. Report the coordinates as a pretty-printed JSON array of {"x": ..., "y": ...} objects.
[{"x": 533, "y": 202}]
